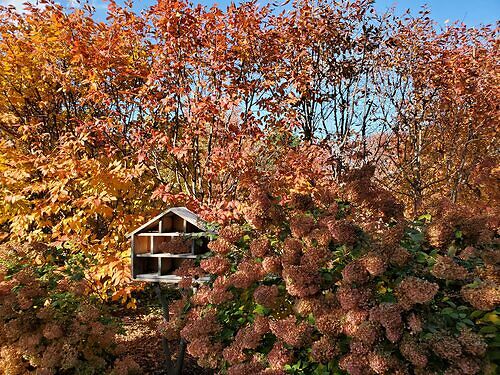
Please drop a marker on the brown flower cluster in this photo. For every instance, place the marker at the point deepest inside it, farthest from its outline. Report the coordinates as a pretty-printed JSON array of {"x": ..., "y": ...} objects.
[
  {"x": 329, "y": 323},
  {"x": 260, "y": 247},
  {"x": 477, "y": 226},
  {"x": 266, "y": 295},
  {"x": 355, "y": 273},
  {"x": 301, "y": 281},
  {"x": 202, "y": 324},
  {"x": 446, "y": 268},
  {"x": 231, "y": 233},
  {"x": 343, "y": 232},
  {"x": 318, "y": 237},
  {"x": 472, "y": 343},
  {"x": 413, "y": 290},
  {"x": 219, "y": 293},
  {"x": 301, "y": 225},
  {"x": 216, "y": 265},
  {"x": 175, "y": 245},
  {"x": 374, "y": 264},
  {"x": 400, "y": 256},
  {"x": 247, "y": 338},
  {"x": 261, "y": 211},
  {"x": 248, "y": 273},
  {"x": 413, "y": 352},
  {"x": 279, "y": 356},
  {"x": 220, "y": 246},
  {"x": 188, "y": 267},
  {"x": 316, "y": 257},
  {"x": 253, "y": 367},
  {"x": 485, "y": 296},
  {"x": 290, "y": 331},
  {"x": 271, "y": 264},
  {"x": 446, "y": 346},
  {"x": 389, "y": 316},
  {"x": 325, "y": 349}
]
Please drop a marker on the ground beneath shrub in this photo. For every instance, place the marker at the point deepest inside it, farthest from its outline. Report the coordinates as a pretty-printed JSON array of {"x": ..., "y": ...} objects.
[{"x": 142, "y": 341}]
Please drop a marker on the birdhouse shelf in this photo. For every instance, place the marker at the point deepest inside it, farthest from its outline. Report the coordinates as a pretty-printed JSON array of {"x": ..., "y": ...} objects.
[{"x": 160, "y": 246}]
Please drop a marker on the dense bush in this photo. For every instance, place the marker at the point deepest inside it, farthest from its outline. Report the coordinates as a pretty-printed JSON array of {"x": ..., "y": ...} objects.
[
  {"x": 47, "y": 323},
  {"x": 338, "y": 282}
]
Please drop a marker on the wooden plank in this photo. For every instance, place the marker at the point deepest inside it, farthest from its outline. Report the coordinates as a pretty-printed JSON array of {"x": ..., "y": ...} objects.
[
  {"x": 174, "y": 234},
  {"x": 172, "y": 279},
  {"x": 168, "y": 255},
  {"x": 141, "y": 244},
  {"x": 147, "y": 276},
  {"x": 164, "y": 265},
  {"x": 179, "y": 224},
  {"x": 166, "y": 224},
  {"x": 132, "y": 257}
]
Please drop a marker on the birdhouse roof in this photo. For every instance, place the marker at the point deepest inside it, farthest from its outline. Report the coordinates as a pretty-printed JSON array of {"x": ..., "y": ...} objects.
[{"x": 182, "y": 212}]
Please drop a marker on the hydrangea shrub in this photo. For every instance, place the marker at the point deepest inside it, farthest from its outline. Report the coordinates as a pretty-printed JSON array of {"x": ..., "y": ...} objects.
[
  {"x": 48, "y": 323},
  {"x": 338, "y": 282}
]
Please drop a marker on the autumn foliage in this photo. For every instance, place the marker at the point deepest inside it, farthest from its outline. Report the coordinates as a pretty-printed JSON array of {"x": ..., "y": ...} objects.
[{"x": 284, "y": 121}]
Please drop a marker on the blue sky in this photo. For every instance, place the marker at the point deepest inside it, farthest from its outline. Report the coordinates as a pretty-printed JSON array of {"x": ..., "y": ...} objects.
[{"x": 472, "y": 12}]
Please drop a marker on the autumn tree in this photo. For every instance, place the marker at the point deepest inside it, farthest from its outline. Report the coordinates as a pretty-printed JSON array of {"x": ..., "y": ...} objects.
[
  {"x": 439, "y": 102},
  {"x": 102, "y": 123},
  {"x": 64, "y": 180}
]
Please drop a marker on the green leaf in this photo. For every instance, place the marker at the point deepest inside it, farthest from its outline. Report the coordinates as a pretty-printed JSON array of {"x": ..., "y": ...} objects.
[
  {"x": 261, "y": 310},
  {"x": 452, "y": 304},
  {"x": 421, "y": 257},
  {"x": 476, "y": 314},
  {"x": 447, "y": 311},
  {"x": 488, "y": 329},
  {"x": 425, "y": 217}
]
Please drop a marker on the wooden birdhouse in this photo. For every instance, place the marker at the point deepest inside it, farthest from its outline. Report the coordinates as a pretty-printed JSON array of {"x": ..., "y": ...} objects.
[{"x": 160, "y": 246}]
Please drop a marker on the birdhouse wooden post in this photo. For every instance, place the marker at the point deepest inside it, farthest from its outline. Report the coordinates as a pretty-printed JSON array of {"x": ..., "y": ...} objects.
[{"x": 161, "y": 245}]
